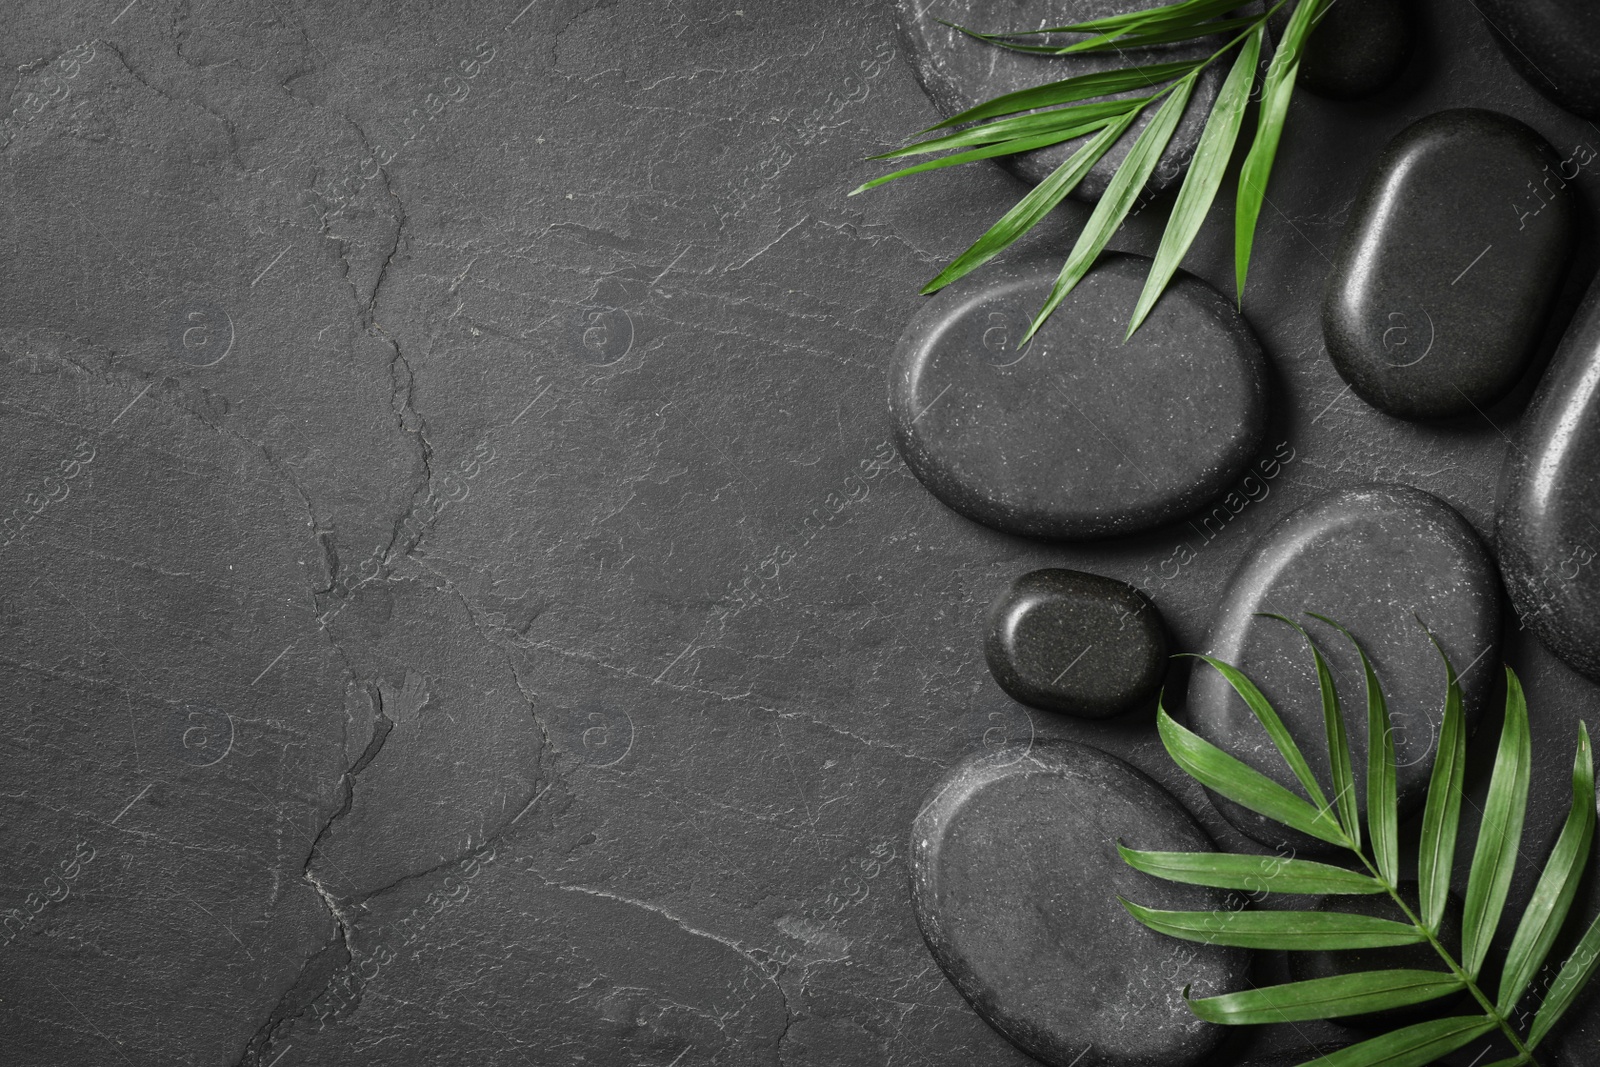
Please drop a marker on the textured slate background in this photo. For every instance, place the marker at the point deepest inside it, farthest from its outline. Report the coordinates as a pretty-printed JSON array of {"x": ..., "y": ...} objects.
[{"x": 464, "y": 607}]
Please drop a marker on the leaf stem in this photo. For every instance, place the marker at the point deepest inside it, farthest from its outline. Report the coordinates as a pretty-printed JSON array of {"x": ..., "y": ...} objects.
[{"x": 1524, "y": 1054}]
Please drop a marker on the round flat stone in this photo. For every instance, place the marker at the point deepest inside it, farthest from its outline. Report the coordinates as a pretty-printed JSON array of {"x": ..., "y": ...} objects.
[
  {"x": 1077, "y": 643},
  {"x": 1451, "y": 259},
  {"x": 958, "y": 72},
  {"x": 1549, "y": 520},
  {"x": 1358, "y": 49},
  {"x": 1015, "y": 877},
  {"x": 1077, "y": 435},
  {"x": 1305, "y": 966},
  {"x": 1554, "y": 44},
  {"x": 1376, "y": 559}
]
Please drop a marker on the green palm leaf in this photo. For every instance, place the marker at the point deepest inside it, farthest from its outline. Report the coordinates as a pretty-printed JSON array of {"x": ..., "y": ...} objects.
[
  {"x": 1126, "y": 184},
  {"x": 1242, "y": 784},
  {"x": 1292, "y": 930},
  {"x": 1258, "y": 704},
  {"x": 1188, "y": 11},
  {"x": 1441, "y": 816},
  {"x": 1275, "y": 96},
  {"x": 1033, "y": 207},
  {"x": 1328, "y": 998},
  {"x": 1253, "y": 874},
  {"x": 1495, "y": 859},
  {"x": 1071, "y": 90},
  {"x": 1569, "y": 982},
  {"x": 1552, "y": 898},
  {"x": 1344, "y": 782},
  {"x": 1382, "y": 803},
  {"x": 1003, "y": 148},
  {"x": 1206, "y": 169},
  {"x": 1414, "y": 1046},
  {"x": 1063, "y": 122}
]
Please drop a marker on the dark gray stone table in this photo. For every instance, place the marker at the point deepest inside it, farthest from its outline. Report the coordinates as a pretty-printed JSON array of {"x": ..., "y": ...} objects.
[{"x": 489, "y": 623}]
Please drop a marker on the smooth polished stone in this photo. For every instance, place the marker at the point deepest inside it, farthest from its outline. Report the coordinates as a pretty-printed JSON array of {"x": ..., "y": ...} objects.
[
  {"x": 1376, "y": 559},
  {"x": 1358, "y": 49},
  {"x": 1077, "y": 643},
  {"x": 958, "y": 72},
  {"x": 1304, "y": 966},
  {"x": 1555, "y": 46},
  {"x": 1014, "y": 879},
  {"x": 1548, "y": 532},
  {"x": 1077, "y": 435},
  {"x": 1300, "y": 1057},
  {"x": 1453, "y": 254}
]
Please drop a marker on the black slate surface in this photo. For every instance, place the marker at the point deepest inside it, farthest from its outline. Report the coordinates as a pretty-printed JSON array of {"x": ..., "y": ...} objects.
[{"x": 520, "y": 642}]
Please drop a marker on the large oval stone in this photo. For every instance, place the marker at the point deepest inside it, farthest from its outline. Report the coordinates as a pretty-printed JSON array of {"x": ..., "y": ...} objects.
[
  {"x": 1075, "y": 642},
  {"x": 1549, "y": 520},
  {"x": 1376, "y": 559},
  {"x": 1015, "y": 878},
  {"x": 1554, "y": 44},
  {"x": 958, "y": 72},
  {"x": 1448, "y": 267},
  {"x": 1078, "y": 435}
]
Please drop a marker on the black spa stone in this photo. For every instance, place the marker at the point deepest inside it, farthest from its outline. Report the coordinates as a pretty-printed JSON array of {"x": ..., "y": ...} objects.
[
  {"x": 1074, "y": 642},
  {"x": 1549, "y": 520},
  {"x": 1014, "y": 878},
  {"x": 958, "y": 72},
  {"x": 1077, "y": 435},
  {"x": 1359, "y": 48},
  {"x": 1555, "y": 46},
  {"x": 1376, "y": 559},
  {"x": 1300, "y": 1057},
  {"x": 1448, "y": 266},
  {"x": 1305, "y": 966}
]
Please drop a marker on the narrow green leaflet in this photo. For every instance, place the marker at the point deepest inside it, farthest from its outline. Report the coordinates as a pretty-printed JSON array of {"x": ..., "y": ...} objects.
[
  {"x": 1500, "y": 834},
  {"x": 1275, "y": 96},
  {"x": 1004, "y": 148},
  {"x": 1441, "y": 816},
  {"x": 1071, "y": 90},
  {"x": 1033, "y": 207},
  {"x": 1253, "y": 874},
  {"x": 1143, "y": 36},
  {"x": 1168, "y": 35},
  {"x": 1415, "y": 1046},
  {"x": 1328, "y": 998},
  {"x": 1065, "y": 122},
  {"x": 1185, "y": 11},
  {"x": 1206, "y": 169},
  {"x": 1344, "y": 781},
  {"x": 1242, "y": 784},
  {"x": 1115, "y": 202},
  {"x": 1570, "y": 980},
  {"x": 1294, "y": 930},
  {"x": 1382, "y": 804},
  {"x": 1552, "y": 897},
  {"x": 1258, "y": 704}
]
